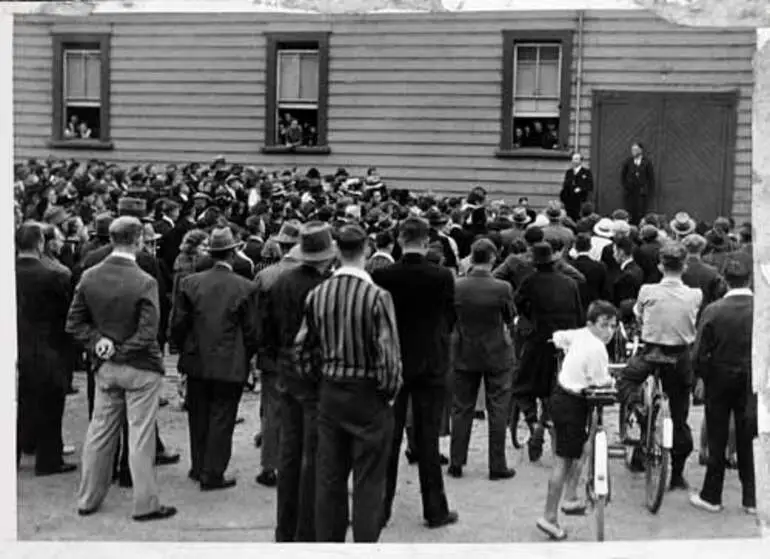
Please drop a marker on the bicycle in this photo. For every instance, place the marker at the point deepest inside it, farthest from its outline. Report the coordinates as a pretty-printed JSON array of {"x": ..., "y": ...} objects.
[
  {"x": 657, "y": 436},
  {"x": 598, "y": 484}
]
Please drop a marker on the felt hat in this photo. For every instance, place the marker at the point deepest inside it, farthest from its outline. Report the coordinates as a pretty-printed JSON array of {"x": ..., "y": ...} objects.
[
  {"x": 604, "y": 228},
  {"x": 683, "y": 224},
  {"x": 520, "y": 216},
  {"x": 315, "y": 243},
  {"x": 127, "y": 204},
  {"x": 436, "y": 218},
  {"x": 222, "y": 239},
  {"x": 289, "y": 233},
  {"x": 542, "y": 253},
  {"x": 102, "y": 225}
]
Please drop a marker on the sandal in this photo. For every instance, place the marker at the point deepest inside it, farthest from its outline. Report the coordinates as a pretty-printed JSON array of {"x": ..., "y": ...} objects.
[
  {"x": 574, "y": 508},
  {"x": 553, "y": 531}
]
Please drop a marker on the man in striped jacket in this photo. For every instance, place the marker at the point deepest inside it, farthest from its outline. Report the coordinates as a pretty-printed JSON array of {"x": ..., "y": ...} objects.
[{"x": 358, "y": 363}]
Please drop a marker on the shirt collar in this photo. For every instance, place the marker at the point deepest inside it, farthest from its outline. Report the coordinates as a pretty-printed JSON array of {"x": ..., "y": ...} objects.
[
  {"x": 385, "y": 255},
  {"x": 625, "y": 263},
  {"x": 672, "y": 281},
  {"x": 125, "y": 255},
  {"x": 223, "y": 264},
  {"x": 739, "y": 291},
  {"x": 352, "y": 271}
]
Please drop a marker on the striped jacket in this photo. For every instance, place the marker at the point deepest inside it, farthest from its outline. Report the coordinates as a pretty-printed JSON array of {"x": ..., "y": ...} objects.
[{"x": 349, "y": 332}]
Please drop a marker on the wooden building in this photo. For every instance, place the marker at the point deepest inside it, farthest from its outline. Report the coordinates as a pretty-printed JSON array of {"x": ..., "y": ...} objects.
[{"x": 435, "y": 101}]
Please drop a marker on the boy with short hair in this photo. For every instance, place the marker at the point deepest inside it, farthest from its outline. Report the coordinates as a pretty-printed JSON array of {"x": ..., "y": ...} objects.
[{"x": 586, "y": 364}]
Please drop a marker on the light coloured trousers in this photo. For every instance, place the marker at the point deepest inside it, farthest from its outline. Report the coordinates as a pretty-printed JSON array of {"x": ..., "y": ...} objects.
[{"x": 120, "y": 387}]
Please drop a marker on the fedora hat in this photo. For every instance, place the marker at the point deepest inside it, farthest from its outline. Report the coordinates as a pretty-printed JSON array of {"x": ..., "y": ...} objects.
[
  {"x": 55, "y": 215},
  {"x": 520, "y": 216},
  {"x": 436, "y": 218},
  {"x": 542, "y": 253},
  {"x": 150, "y": 236},
  {"x": 102, "y": 225},
  {"x": 604, "y": 228},
  {"x": 682, "y": 224},
  {"x": 222, "y": 239},
  {"x": 289, "y": 233},
  {"x": 315, "y": 243},
  {"x": 554, "y": 211},
  {"x": 127, "y": 204}
]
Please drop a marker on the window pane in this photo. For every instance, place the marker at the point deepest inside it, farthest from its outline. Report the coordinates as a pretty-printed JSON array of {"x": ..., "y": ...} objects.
[
  {"x": 547, "y": 106},
  {"x": 74, "y": 76},
  {"x": 528, "y": 54},
  {"x": 550, "y": 53},
  {"x": 288, "y": 76},
  {"x": 524, "y": 106},
  {"x": 93, "y": 77},
  {"x": 549, "y": 78},
  {"x": 308, "y": 83},
  {"x": 526, "y": 79}
]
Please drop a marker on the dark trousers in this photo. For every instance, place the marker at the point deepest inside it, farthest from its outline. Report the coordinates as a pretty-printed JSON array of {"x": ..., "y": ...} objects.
[
  {"x": 676, "y": 385},
  {"x": 39, "y": 423},
  {"x": 428, "y": 404},
  {"x": 636, "y": 206},
  {"x": 212, "y": 408},
  {"x": 355, "y": 429},
  {"x": 297, "y": 470},
  {"x": 728, "y": 393},
  {"x": 498, "y": 394}
]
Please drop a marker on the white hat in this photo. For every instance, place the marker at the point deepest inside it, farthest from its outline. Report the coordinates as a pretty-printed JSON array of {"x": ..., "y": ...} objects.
[{"x": 604, "y": 228}]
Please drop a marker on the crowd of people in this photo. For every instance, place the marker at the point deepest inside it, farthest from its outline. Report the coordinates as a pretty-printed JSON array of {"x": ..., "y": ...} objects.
[{"x": 368, "y": 312}]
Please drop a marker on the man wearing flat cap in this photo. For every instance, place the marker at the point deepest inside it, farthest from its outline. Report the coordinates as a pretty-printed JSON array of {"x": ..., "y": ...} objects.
[
  {"x": 213, "y": 322},
  {"x": 722, "y": 354}
]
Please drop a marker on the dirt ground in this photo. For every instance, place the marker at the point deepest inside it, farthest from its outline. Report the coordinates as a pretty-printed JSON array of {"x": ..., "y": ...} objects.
[{"x": 490, "y": 512}]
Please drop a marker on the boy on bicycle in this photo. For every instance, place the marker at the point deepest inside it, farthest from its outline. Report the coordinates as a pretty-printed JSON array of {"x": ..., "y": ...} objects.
[{"x": 586, "y": 364}]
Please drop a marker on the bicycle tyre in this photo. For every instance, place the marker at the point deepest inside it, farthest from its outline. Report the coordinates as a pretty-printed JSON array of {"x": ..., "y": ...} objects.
[
  {"x": 657, "y": 459},
  {"x": 599, "y": 517}
]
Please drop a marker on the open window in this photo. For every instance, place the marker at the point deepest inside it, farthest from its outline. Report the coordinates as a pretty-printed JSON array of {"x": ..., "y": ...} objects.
[
  {"x": 81, "y": 91},
  {"x": 297, "y": 93},
  {"x": 536, "y": 94}
]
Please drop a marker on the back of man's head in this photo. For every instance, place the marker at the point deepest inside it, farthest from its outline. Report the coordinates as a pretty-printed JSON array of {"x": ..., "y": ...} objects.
[
  {"x": 625, "y": 245},
  {"x": 351, "y": 242},
  {"x": 126, "y": 231},
  {"x": 672, "y": 257},
  {"x": 414, "y": 231},
  {"x": 483, "y": 252},
  {"x": 583, "y": 242},
  {"x": 737, "y": 270},
  {"x": 29, "y": 237},
  {"x": 383, "y": 240},
  {"x": 533, "y": 235}
]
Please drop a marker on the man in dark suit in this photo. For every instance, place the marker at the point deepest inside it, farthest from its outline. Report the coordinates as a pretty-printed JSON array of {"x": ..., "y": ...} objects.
[
  {"x": 168, "y": 248},
  {"x": 42, "y": 299},
  {"x": 116, "y": 314},
  {"x": 423, "y": 294},
  {"x": 631, "y": 277},
  {"x": 169, "y": 214},
  {"x": 213, "y": 323},
  {"x": 647, "y": 254},
  {"x": 700, "y": 275},
  {"x": 638, "y": 180},
  {"x": 482, "y": 350},
  {"x": 577, "y": 187},
  {"x": 595, "y": 286},
  {"x": 723, "y": 359},
  {"x": 546, "y": 301}
]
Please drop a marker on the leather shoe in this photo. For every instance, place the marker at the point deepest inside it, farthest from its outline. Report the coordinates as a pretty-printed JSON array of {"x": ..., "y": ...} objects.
[
  {"x": 455, "y": 471},
  {"x": 195, "y": 476},
  {"x": 678, "y": 482},
  {"x": 215, "y": 485},
  {"x": 86, "y": 512},
  {"x": 451, "y": 518},
  {"x": 167, "y": 459},
  {"x": 124, "y": 480},
  {"x": 411, "y": 456},
  {"x": 443, "y": 460},
  {"x": 267, "y": 478},
  {"x": 161, "y": 514},
  {"x": 504, "y": 474},
  {"x": 63, "y": 468}
]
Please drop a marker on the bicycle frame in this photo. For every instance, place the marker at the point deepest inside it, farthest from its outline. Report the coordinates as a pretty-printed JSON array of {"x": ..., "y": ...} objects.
[{"x": 653, "y": 390}]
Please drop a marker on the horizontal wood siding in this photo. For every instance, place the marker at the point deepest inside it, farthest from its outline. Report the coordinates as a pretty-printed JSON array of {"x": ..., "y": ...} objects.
[{"x": 416, "y": 95}]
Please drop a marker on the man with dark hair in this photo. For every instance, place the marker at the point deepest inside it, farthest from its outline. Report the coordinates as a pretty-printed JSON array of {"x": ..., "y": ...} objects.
[
  {"x": 630, "y": 277},
  {"x": 43, "y": 296},
  {"x": 383, "y": 255},
  {"x": 213, "y": 322},
  {"x": 595, "y": 286},
  {"x": 723, "y": 357},
  {"x": 423, "y": 294},
  {"x": 116, "y": 314},
  {"x": 667, "y": 312},
  {"x": 284, "y": 307},
  {"x": 358, "y": 364},
  {"x": 482, "y": 350}
]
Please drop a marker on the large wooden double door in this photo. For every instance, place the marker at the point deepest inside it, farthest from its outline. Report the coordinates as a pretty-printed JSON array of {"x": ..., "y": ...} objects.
[{"x": 689, "y": 138}]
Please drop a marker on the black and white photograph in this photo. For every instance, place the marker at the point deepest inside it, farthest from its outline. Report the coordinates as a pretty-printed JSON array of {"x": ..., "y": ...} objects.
[{"x": 389, "y": 271}]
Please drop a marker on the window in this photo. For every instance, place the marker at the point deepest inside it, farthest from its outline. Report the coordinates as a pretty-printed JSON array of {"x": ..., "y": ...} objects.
[
  {"x": 296, "y": 93},
  {"x": 81, "y": 83},
  {"x": 536, "y": 93}
]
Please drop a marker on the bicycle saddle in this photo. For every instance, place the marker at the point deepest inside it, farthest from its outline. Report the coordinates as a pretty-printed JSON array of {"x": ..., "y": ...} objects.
[
  {"x": 601, "y": 395},
  {"x": 657, "y": 357}
]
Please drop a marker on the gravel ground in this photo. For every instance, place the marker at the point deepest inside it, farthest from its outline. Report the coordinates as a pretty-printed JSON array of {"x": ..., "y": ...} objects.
[{"x": 490, "y": 512}]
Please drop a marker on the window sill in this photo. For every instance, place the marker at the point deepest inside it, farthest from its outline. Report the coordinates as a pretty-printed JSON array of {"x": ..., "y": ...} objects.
[
  {"x": 301, "y": 150},
  {"x": 81, "y": 144},
  {"x": 532, "y": 153}
]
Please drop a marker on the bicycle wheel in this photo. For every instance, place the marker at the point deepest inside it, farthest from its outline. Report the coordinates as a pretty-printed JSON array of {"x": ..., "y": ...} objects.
[
  {"x": 657, "y": 457},
  {"x": 599, "y": 516}
]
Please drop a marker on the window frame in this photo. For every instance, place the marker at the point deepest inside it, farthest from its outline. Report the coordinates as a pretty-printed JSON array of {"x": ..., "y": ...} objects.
[
  {"x": 63, "y": 41},
  {"x": 510, "y": 38},
  {"x": 299, "y": 40}
]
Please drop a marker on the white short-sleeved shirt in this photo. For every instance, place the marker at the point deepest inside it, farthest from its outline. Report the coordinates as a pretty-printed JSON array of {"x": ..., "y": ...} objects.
[{"x": 586, "y": 362}]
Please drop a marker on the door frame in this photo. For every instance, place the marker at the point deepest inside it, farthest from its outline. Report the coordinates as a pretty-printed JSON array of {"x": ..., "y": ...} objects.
[{"x": 727, "y": 97}]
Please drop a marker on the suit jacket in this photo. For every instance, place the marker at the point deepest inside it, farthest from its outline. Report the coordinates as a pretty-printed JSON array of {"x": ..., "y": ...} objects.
[
  {"x": 646, "y": 255},
  {"x": 119, "y": 300},
  {"x": 484, "y": 308},
  {"x": 168, "y": 247},
  {"x": 702, "y": 276},
  {"x": 637, "y": 180},
  {"x": 423, "y": 295},
  {"x": 723, "y": 344},
  {"x": 550, "y": 301},
  {"x": 43, "y": 297},
  {"x": 214, "y": 323},
  {"x": 595, "y": 286},
  {"x": 627, "y": 284},
  {"x": 584, "y": 181},
  {"x": 241, "y": 266}
]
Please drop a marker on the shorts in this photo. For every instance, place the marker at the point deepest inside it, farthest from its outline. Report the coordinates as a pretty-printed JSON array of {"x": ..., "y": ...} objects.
[{"x": 569, "y": 414}]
